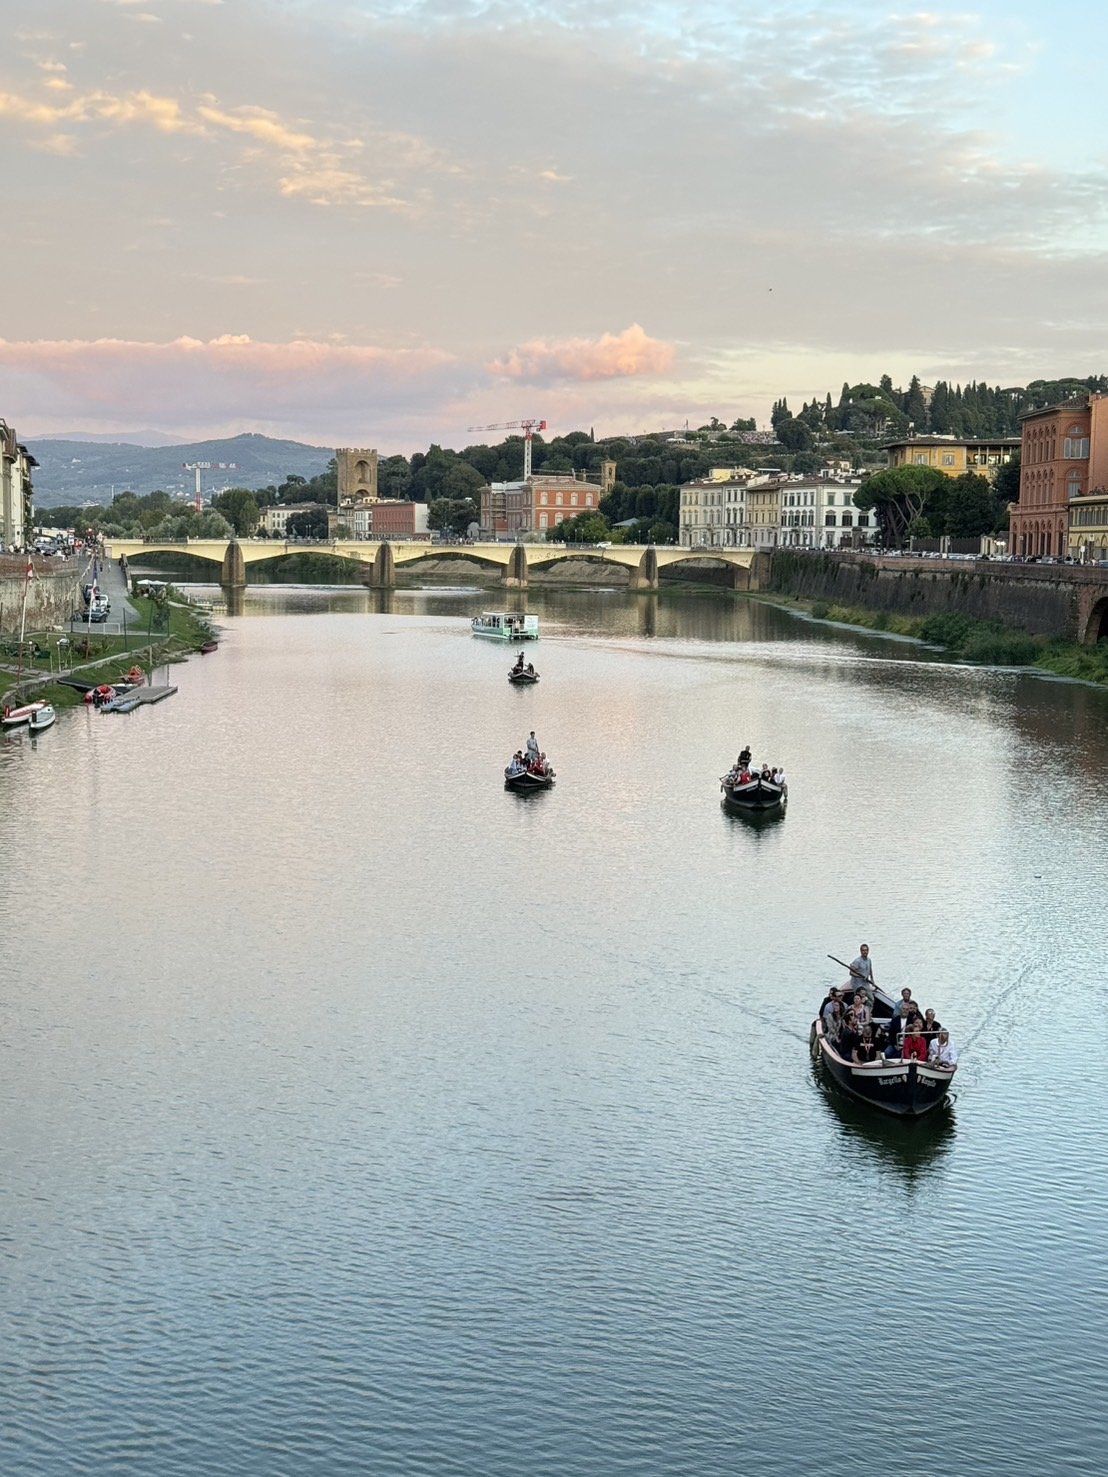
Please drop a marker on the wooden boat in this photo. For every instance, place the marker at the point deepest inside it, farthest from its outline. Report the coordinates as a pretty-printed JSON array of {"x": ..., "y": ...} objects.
[
  {"x": 208, "y": 647},
  {"x": 525, "y": 781},
  {"x": 506, "y": 625},
  {"x": 16, "y": 717},
  {"x": 42, "y": 720},
  {"x": 522, "y": 678},
  {"x": 895, "y": 1086},
  {"x": 757, "y": 797}
]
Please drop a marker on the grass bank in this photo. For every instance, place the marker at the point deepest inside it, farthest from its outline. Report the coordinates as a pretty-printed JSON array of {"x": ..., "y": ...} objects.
[
  {"x": 986, "y": 642},
  {"x": 168, "y": 630}
]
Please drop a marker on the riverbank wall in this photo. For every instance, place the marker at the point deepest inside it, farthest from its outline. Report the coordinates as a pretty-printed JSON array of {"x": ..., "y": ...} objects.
[
  {"x": 53, "y": 593},
  {"x": 1064, "y": 602}
]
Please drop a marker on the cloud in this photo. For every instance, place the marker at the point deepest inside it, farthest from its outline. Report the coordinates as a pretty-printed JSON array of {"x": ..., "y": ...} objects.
[{"x": 612, "y": 356}]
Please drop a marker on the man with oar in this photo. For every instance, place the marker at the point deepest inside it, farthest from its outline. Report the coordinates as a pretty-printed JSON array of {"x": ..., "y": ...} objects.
[{"x": 861, "y": 973}]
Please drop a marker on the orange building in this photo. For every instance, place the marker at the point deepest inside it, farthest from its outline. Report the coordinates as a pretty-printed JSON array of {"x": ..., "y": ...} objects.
[
  {"x": 1064, "y": 456},
  {"x": 540, "y": 503}
]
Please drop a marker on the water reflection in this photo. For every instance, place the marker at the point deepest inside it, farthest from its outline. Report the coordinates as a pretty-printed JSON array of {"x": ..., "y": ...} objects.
[{"x": 910, "y": 1145}]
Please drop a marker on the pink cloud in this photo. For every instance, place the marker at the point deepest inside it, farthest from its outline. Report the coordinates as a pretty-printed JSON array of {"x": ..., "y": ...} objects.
[
  {"x": 612, "y": 356},
  {"x": 189, "y": 384}
]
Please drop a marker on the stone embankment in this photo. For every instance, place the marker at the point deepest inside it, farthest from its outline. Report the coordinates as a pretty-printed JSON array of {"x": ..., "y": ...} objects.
[
  {"x": 52, "y": 595},
  {"x": 1060, "y": 601}
]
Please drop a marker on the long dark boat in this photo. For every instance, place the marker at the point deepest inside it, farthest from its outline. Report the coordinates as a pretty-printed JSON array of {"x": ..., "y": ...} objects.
[
  {"x": 522, "y": 679},
  {"x": 906, "y": 1088},
  {"x": 756, "y": 797},
  {"x": 526, "y": 781}
]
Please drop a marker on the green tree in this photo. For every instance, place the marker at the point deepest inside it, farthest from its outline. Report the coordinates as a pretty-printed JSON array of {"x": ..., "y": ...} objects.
[
  {"x": 898, "y": 496},
  {"x": 311, "y": 523},
  {"x": 452, "y": 515},
  {"x": 240, "y": 508}
]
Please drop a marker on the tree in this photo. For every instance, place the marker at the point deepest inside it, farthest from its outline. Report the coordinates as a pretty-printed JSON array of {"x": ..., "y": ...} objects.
[
  {"x": 451, "y": 515},
  {"x": 971, "y": 508},
  {"x": 240, "y": 508},
  {"x": 915, "y": 406},
  {"x": 1006, "y": 488},
  {"x": 586, "y": 528},
  {"x": 311, "y": 523},
  {"x": 898, "y": 496},
  {"x": 793, "y": 434}
]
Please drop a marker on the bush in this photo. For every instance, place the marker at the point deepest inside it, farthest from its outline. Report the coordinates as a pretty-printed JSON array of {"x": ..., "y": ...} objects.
[
  {"x": 1001, "y": 648},
  {"x": 950, "y": 629},
  {"x": 820, "y": 609}
]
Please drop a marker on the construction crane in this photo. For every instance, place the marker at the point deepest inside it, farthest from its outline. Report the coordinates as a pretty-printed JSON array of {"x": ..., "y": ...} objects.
[
  {"x": 201, "y": 467},
  {"x": 528, "y": 428}
]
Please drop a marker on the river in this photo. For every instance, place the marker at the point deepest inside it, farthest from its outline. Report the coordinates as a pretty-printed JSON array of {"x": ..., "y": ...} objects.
[{"x": 362, "y": 1117}]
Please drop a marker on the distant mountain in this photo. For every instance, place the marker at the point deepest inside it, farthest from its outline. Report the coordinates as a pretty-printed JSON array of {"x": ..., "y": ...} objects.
[
  {"x": 115, "y": 438},
  {"x": 85, "y": 471}
]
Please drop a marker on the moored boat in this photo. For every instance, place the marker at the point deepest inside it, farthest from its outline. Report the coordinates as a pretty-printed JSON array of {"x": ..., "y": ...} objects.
[
  {"x": 16, "y": 717},
  {"x": 41, "y": 720},
  {"x": 906, "y": 1088},
  {"x": 506, "y": 625}
]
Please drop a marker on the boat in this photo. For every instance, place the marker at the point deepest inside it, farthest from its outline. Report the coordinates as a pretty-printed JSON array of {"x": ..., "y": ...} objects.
[
  {"x": 43, "y": 719},
  {"x": 16, "y": 717},
  {"x": 123, "y": 702},
  {"x": 525, "y": 782},
  {"x": 905, "y": 1088},
  {"x": 756, "y": 797},
  {"x": 506, "y": 625},
  {"x": 521, "y": 677},
  {"x": 208, "y": 647},
  {"x": 136, "y": 676}
]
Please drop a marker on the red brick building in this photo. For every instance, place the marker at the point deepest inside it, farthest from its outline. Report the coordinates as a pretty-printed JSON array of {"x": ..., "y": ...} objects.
[
  {"x": 391, "y": 518},
  {"x": 1063, "y": 456},
  {"x": 532, "y": 507}
]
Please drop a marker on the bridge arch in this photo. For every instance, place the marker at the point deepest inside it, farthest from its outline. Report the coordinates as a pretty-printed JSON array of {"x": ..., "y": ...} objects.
[{"x": 1096, "y": 627}]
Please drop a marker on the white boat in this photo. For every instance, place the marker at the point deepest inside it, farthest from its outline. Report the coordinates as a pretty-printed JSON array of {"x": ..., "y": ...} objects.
[
  {"x": 506, "y": 625},
  {"x": 14, "y": 717},
  {"x": 41, "y": 720}
]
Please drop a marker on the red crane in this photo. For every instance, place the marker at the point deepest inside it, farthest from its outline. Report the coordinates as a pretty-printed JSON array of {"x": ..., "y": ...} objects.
[{"x": 528, "y": 427}]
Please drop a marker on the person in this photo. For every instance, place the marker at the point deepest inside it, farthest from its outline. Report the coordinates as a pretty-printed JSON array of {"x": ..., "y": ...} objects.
[
  {"x": 744, "y": 777},
  {"x": 834, "y": 993},
  {"x": 544, "y": 767},
  {"x": 516, "y": 766},
  {"x": 942, "y": 1051},
  {"x": 778, "y": 776},
  {"x": 532, "y": 746},
  {"x": 860, "y": 1012},
  {"x": 897, "y": 1028},
  {"x": 519, "y": 663},
  {"x": 861, "y": 973},
  {"x": 906, "y": 999},
  {"x": 767, "y": 774},
  {"x": 850, "y": 1038},
  {"x": 931, "y": 1027},
  {"x": 833, "y": 1021},
  {"x": 914, "y": 1047},
  {"x": 531, "y": 669},
  {"x": 744, "y": 757},
  {"x": 865, "y": 1051}
]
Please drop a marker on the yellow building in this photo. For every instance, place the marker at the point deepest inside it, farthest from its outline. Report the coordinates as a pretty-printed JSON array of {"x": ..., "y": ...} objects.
[
  {"x": 952, "y": 456},
  {"x": 1088, "y": 527},
  {"x": 763, "y": 510}
]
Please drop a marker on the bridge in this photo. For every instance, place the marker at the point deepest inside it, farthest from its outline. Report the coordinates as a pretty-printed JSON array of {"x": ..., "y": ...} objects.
[{"x": 380, "y": 559}]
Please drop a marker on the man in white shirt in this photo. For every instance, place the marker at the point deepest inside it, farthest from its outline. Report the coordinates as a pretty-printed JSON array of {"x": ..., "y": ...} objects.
[
  {"x": 861, "y": 974},
  {"x": 942, "y": 1052},
  {"x": 532, "y": 746}
]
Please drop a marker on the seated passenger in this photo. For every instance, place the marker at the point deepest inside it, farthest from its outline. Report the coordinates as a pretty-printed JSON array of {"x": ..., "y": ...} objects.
[
  {"x": 850, "y": 1038},
  {"x": 913, "y": 1046},
  {"x": 897, "y": 1028},
  {"x": 860, "y": 1012},
  {"x": 906, "y": 998},
  {"x": 744, "y": 778},
  {"x": 942, "y": 1051},
  {"x": 865, "y": 1051},
  {"x": 767, "y": 774},
  {"x": 834, "y": 993},
  {"x": 531, "y": 668},
  {"x": 931, "y": 1027}
]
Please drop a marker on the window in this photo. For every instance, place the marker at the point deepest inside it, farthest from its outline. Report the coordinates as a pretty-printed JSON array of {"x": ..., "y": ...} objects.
[
  {"x": 542, "y": 499},
  {"x": 920, "y": 459},
  {"x": 829, "y": 520},
  {"x": 831, "y": 501},
  {"x": 542, "y": 520},
  {"x": 848, "y": 520},
  {"x": 948, "y": 458},
  {"x": 863, "y": 520},
  {"x": 1075, "y": 447},
  {"x": 573, "y": 499},
  {"x": 588, "y": 499}
]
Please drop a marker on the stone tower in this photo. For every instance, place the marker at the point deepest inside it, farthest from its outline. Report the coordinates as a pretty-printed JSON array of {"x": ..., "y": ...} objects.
[
  {"x": 357, "y": 469},
  {"x": 607, "y": 476}
]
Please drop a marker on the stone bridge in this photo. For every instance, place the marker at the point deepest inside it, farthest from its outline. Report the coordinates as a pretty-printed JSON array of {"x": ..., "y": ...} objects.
[{"x": 381, "y": 559}]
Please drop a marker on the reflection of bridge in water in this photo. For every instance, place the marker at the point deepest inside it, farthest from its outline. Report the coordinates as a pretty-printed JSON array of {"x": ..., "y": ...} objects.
[{"x": 380, "y": 560}]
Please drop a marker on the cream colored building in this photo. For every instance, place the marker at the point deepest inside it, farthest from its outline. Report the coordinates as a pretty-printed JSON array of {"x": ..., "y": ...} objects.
[
  {"x": 713, "y": 509},
  {"x": 275, "y": 520},
  {"x": 15, "y": 490}
]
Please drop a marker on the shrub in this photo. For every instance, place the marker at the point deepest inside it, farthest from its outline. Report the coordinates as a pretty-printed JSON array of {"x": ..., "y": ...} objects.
[
  {"x": 820, "y": 609},
  {"x": 949, "y": 629},
  {"x": 1000, "y": 648}
]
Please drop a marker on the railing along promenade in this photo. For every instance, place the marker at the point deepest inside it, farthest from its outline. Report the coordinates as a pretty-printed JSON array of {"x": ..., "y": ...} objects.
[{"x": 381, "y": 559}]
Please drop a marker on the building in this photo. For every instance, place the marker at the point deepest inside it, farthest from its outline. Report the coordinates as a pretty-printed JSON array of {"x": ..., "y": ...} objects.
[
  {"x": 954, "y": 456},
  {"x": 1063, "y": 501},
  {"x": 541, "y": 502},
  {"x": 763, "y": 503},
  {"x": 357, "y": 474},
  {"x": 15, "y": 490},
  {"x": 396, "y": 518},
  {"x": 275, "y": 520},
  {"x": 712, "y": 509},
  {"x": 841, "y": 523}
]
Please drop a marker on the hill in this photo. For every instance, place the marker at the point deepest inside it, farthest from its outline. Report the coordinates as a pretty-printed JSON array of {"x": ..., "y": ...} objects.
[{"x": 94, "y": 471}]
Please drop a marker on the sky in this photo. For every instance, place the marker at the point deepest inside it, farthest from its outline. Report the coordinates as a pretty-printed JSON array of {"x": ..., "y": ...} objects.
[{"x": 385, "y": 222}]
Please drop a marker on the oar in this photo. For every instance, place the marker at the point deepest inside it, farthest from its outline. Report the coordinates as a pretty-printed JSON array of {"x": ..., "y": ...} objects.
[{"x": 858, "y": 975}]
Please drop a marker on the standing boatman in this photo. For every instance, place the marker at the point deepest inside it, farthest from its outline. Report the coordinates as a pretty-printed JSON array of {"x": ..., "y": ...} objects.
[
  {"x": 861, "y": 974},
  {"x": 532, "y": 746}
]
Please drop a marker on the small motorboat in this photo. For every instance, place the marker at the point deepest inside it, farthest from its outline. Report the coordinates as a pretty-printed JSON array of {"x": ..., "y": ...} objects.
[
  {"x": 905, "y": 1088},
  {"x": 123, "y": 702},
  {"x": 208, "y": 647},
  {"x": 100, "y": 695},
  {"x": 16, "y": 717},
  {"x": 136, "y": 677},
  {"x": 45, "y": 718},
  {"x": 522, "y": 676},
  {"x": 524, "y": 781}
]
